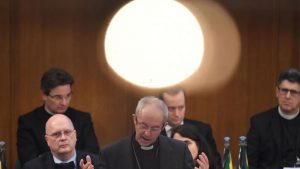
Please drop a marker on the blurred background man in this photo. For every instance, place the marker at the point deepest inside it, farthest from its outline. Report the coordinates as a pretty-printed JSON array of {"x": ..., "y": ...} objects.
[{"x": 175, "y": 101}]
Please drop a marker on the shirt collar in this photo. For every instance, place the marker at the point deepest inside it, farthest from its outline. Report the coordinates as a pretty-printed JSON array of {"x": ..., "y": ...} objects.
[
  {"x": 286, "y": 116},
  {"x": 48, "y": 111},
  {"x": 168, "y": 129},
  {"x": 73, "y": 158}
]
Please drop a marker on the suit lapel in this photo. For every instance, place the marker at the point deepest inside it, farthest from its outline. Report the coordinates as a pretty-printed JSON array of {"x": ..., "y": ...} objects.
[
  {"x": 163, "y": 148},
  {"x": 163, "y": 132},
  {"x": 79, "y": 156},
  {"x": 128, "y": 153},
  {"x": 49, "y": 162},
  {"x": 166, "y": 154},
  {"x": 276, "y": 127},
  {"x": 298, "y": 137}
]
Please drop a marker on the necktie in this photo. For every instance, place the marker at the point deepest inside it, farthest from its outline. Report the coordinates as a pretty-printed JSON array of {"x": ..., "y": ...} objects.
[{"x": 69, "y": 165}]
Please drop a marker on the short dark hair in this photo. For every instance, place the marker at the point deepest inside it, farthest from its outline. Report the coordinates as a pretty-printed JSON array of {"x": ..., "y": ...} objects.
[
  {"x": 55, "y": 77},
  {"x": 292, "y": 75},
  {"x": 191, "y": 132},
  {"x": 172, "y": 91}
]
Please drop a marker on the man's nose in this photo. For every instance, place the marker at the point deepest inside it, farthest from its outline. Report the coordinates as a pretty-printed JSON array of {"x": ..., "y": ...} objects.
[
  {"x": 147, "y": 132},
  {"x": 176, "y": 112},
  {"x": 288, "y": 94},
  {"x": 64, "y": 101},
  {"x": 62, "y": 136}
]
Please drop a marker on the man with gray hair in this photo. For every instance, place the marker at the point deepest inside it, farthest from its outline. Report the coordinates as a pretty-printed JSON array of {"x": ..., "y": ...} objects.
[{"x": 146, "y": 148}]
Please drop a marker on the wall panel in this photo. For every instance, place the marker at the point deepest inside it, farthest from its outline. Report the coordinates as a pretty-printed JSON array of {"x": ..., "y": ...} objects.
[{"x": 5, "y": 76}]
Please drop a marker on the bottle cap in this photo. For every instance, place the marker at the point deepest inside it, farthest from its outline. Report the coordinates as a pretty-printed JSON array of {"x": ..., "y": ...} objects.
[
  {"x": 243, "y": 138},
  {"x": 226, "y": 138}
]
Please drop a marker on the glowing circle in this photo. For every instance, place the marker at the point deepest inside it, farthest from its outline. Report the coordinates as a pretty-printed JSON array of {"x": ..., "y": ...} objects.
[{"x": 154, "y": 43}]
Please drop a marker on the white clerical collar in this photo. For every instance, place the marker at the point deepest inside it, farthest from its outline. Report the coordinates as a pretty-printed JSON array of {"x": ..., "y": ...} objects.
[
  {"x": 168, "y": 129},
  {"x": 147, "y": 148},
  {"x": 58, "y": 161},
  {"x": 287, "y": 116},
  {"x": 48, "y": 111}
]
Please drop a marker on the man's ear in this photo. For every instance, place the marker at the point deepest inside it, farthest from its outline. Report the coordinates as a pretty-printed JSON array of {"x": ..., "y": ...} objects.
[
  {"x": 277, "y": 91},
  {"x": 134, "y": 118},
  {"x": 44, "y": 96},
  {"x": 46, "y": 138}
]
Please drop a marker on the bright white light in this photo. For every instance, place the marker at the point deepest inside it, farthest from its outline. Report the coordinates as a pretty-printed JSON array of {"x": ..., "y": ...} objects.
[{"x": 154, "y": 43}]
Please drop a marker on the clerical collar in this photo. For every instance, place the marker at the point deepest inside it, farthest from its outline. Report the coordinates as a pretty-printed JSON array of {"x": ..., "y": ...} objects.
[
  {"x": 58, "y": 161},
  {"x": 286, "y": 116},
  {"x": 147, "y": 148},
  {"x": 168, "y": 129},
  {"x": 48, "y": 111}
]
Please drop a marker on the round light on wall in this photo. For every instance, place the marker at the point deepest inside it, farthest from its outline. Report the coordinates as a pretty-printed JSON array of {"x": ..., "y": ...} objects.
[{"x": 154, "y": 43}]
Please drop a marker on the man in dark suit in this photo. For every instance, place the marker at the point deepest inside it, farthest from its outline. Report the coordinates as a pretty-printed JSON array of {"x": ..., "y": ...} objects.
[
  {"x": 146, "y": 148},
  {"x": 56, "y": 93},
  {"x": 274, "y": 135},
  {"x": 175, "y": 100},
  {"x": 61, "y": 139}
]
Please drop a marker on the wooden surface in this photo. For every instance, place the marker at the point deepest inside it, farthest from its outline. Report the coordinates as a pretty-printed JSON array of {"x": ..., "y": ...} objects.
[{"x": 36, "y": 35}]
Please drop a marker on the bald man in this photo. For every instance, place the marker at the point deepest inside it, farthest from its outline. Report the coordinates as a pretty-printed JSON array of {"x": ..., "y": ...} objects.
[{"x": 61, "y": 139}]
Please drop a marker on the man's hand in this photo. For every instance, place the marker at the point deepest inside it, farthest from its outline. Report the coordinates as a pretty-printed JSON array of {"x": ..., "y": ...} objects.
[
  {"x": 202, "y": 162},
  {"x": 88, "y": 164}
]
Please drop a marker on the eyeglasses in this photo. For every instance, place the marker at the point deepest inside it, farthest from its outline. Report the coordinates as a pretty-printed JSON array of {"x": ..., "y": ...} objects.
[
  {"x": 285, "y": 91},
  {"x": 145, "y": 127},
  {"x": 58, "y": 134},
  {"x": 61, "y": 97},
  {"x": 173, "y": 108}
]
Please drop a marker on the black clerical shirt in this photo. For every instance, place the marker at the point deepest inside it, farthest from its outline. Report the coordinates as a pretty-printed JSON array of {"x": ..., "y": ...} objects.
[
  {"x": 146, "y": 159},
  {"x": 290, "y": 149}
]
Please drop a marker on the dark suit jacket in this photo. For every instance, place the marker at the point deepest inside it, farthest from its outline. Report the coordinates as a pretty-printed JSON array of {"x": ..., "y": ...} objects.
[
  {"x": 45, "y": 161},
  {"x": 206, "y": 132},
  {"x": 173, "y": 154},
  {"x": 264, "y": 138},
  {"x": 31, "y": 133}
]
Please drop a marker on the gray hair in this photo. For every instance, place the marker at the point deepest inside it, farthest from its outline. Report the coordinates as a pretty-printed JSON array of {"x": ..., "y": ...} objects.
[{"x": 147, "y": 100}]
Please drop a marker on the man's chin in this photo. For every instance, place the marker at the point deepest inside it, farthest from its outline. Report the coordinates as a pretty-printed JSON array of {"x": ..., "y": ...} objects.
[
  {"x": 64, "y": 151},
  {"x": 175, "y": 124},
  {"x": 144, "y": 143},
  {"x": 62, "y": 111},
  {"x": 288, "y": 110}
]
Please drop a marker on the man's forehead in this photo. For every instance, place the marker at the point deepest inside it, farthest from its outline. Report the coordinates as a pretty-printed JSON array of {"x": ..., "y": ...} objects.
[
  {"x": 60, "y": 127},
  {"x": 62, "y": 89},
  {"x": 289, "y": 84},
  {"x": 150, "y": 112},
  {"x": 57, "y": 122}
]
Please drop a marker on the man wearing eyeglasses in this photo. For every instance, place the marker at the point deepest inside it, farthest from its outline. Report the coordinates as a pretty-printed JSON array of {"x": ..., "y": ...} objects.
[
  {"x": 146, "y": 148},
  {"x": 61, "y": 139},
  {"x": 56, "y": 89},
  {"x": 274, "y": 135},
  {"x": 175, "y": 101}
]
